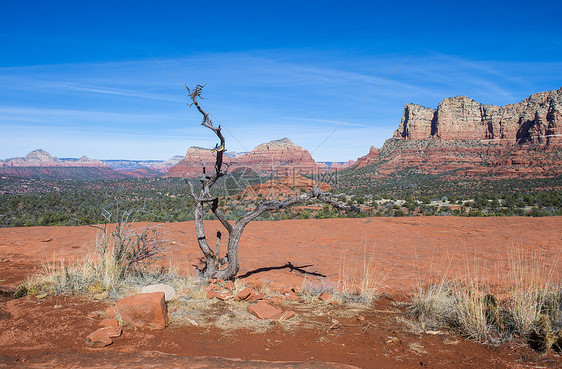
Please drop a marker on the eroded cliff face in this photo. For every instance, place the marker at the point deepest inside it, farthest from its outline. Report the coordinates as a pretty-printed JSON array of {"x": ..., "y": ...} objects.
[
  {"x": 465, "y": 138},
  {"x": 535, "y": 120},
  {"x": 192, "y": 164},
  {"x": 279, "y": 157}
]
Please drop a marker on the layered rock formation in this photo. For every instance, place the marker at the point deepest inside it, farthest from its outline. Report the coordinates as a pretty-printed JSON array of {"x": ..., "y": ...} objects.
[
  {"x": 536, "y": 120},
  {"x": 370, "y": 158},
  {"x": 465, "y": 138},
  {"x": 279, "y": 157},
  {"x": 193, "y": 163}
]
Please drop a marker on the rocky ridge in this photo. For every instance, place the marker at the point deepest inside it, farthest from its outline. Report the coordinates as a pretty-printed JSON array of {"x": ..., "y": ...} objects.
[
  {"x": 465, "y": 138},
  {"x": 535, "y": 120}
]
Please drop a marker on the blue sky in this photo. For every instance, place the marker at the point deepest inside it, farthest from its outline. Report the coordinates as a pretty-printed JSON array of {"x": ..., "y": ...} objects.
[{"x": 86, "y": 78}]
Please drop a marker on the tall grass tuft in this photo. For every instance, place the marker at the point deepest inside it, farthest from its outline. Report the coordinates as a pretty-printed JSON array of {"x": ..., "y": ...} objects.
[
  {"x": 360, "y": 279},
  {"x": 531, "y": 304}
]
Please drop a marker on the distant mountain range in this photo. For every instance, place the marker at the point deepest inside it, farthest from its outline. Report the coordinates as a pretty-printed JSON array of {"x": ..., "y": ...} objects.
[
  {"x": 40, "y": 164},
  {"x": 461, "y": 138}
]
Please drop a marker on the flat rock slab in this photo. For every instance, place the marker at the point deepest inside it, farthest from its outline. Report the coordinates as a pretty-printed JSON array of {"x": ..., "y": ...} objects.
[
  {"x": 153, "y": 360},
  {"x": 264, "y": 310}
]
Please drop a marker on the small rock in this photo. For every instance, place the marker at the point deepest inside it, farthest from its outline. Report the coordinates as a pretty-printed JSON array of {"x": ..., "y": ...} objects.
[
  {"x": 169, "y": 291},
  {"x": 225, "y": 295},
  {"x": 145, "y": 310},
  {"x": 96, "y": 339},
  {"x": 101, "y": 296},
  {"x": 229, "y": 286},
  {"x": 47, "y": 240},
  {"x": 109, "y": 322},
  {"x": 110, "y": 311},
  {"x": 245, "y": 294},
  {"x": 211, "y": 294},
  {"x": 111, "y": 331},
  {"x": 325, "y": 296},
  {"x": 185, "y": 292},
  {"x": 256, "y": 297},
  {"x": 102, "y": 336},
  {"x": 264, "y": 310}
]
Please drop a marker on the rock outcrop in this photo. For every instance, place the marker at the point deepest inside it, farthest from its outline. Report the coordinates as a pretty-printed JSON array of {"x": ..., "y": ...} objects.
[
  {"x": 279, "y": 157},
  {"x": 535, "y": 120},
  {"x": 193, "y": 163},
  {"x": 465, "y": 138},
  {"x": 371, "y": 157}
]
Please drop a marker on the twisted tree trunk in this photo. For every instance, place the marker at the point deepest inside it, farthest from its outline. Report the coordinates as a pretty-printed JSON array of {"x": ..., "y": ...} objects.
[{"x": 227, "y": 267}]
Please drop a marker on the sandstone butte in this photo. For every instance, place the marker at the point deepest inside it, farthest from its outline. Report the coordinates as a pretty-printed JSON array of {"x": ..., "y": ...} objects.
[
  {"x": 468, "y": 138},
  {"x": 279, "y": 157}
]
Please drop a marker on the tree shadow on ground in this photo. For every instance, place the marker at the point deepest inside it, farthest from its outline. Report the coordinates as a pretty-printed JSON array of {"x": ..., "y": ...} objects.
[{"x": 288, "y": 265}]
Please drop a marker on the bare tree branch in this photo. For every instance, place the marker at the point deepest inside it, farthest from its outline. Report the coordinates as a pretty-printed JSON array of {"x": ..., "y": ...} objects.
[{"x": 213, "y": 261}]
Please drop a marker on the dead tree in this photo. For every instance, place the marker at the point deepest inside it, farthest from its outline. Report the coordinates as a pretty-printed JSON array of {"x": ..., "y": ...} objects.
[{"x": 227, "y": 267}]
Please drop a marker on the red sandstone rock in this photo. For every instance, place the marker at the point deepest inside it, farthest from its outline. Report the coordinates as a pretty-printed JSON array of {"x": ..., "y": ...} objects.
[
  {"x": 224, "y": 295},
  {"x": 264, "y": 310},
  {"x": 279, "y": 157},
  {"x": 211, "y": 294},
  {"x": 97, "y": 339},
  {"x": 102, "y": 336},
  {"x": 325, "y": 296},
  {"x": 145, "y": 310},
  {"x": 245, "y": 294},
  {"x": 229, "y": 286},
  {"x": 470, "y": 139},
  {"x": 256, "y": 297},
  {"x": 110, "y": 311},
  {"x": 109, "y": 322}
]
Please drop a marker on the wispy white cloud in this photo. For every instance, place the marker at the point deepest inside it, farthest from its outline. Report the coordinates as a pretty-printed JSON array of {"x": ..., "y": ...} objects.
[{"x": 257, "y": 96}]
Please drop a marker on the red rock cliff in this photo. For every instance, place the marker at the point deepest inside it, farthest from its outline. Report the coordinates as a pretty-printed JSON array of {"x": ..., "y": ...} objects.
[{"x": 537, "y": 120}]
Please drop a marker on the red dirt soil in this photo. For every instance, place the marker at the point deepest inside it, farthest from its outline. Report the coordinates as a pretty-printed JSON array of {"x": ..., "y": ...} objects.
[{"x": 408, "y": 252}]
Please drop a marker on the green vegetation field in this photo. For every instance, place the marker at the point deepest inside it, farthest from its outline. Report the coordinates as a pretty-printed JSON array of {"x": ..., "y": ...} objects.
[{"x": 38, "y": 202}]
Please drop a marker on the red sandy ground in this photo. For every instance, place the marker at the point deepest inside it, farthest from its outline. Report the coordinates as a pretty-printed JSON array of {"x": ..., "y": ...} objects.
[{"x": 409, "y": 252}]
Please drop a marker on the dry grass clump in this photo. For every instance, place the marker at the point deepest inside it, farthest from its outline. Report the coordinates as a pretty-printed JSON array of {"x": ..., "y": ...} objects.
[
  {"x": 123, "y": 252},
  {"x": 360, "y": 279},
  {"x": 530, "y": 306}
]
